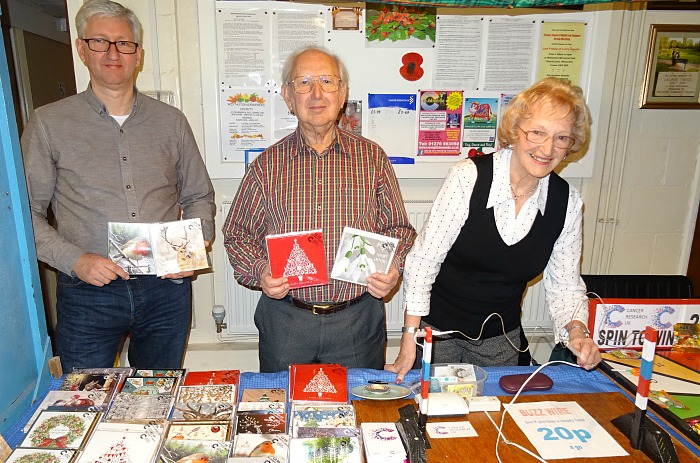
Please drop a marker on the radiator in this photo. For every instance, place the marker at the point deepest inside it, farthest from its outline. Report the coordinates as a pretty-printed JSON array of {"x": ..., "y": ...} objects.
[{"x": 240, "y": 301}]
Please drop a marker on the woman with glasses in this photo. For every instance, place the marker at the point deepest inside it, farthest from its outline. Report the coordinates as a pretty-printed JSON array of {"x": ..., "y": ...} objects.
[{"x": 497, "y": 223}]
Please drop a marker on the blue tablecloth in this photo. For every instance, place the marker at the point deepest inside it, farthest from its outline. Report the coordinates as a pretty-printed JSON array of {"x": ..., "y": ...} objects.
[{"x": 567, "y": 380}]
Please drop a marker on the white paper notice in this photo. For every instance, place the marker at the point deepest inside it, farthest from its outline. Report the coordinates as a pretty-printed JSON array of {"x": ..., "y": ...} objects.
[
  {"x": 245, "y": 121},
  {"x": 292, "y": 30},
  {"x": 450, "y": 429},
  {"x": 510, "y": 43},
  {"x": 391, "y": 114},
  {"x": 244, "y": 43},
  {"x": 561, "y": 430},
  {"x": 457, "y": 52}
]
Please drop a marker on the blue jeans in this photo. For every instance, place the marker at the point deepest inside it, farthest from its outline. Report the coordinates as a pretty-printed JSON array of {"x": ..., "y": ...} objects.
[{"x": 92, "y": 321}]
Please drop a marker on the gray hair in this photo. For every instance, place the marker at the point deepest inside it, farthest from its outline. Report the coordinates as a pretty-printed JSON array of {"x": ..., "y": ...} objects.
[
  {"x": 106, "y": 8},
  {"x": 291, "y": 62}
]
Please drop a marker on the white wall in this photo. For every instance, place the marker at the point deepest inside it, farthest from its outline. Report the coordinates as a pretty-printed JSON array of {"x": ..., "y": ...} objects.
[{"x": 640, "y": 204}]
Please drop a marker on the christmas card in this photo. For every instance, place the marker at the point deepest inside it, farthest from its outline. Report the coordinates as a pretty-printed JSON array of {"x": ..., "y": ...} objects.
[
  {"x": 361, "y": 253},
  {"x": 196, "y": 411},
  {"x": 197, "y": 378},
  {"x": 92, "y": 382},
  {"x": 140, "y": 408},
  {"x": 266, "y": 407},
  {"x": 335, "y": 449},
  {"x": 157, "y": 248},
  {"x": 208, "y": 394},
  {"x": 122, "y": 443},
  {"x": 21, "y": 455},
  {"x": 177, "y": 450},
  {"x": 299, "y": 256},
  {"x": 174, "y": 373},
  {"x": 205, "y": 430},
  {"x": 252, "y": 422},
  {"x": 322, "y": 416},
  {"x": 313, "y": 383},
  {"x": 261, "y": 445},
  {"x": 149, "y": 385},
  {"x": 327, "y": 432},
  {"x": 264, "y": 395},
  {"x": 60, "y": 430},
  {"x": 70, "y": 400}
]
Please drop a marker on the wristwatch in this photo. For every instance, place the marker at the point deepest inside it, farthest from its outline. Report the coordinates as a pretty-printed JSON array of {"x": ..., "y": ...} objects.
[{"x": 409, "y": 329}]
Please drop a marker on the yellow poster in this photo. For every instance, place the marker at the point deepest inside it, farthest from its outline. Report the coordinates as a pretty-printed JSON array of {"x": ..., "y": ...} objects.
[{"x": 561, "y": 49}]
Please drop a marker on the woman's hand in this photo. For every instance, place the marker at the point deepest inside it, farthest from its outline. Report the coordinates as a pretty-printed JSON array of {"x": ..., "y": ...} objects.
[
  {"x": 589, "y": 354},
  {"x": 406, "y": 358}
]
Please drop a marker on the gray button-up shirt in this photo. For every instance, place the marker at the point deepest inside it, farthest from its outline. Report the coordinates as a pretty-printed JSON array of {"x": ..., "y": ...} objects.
[{"x": 92, "y": 171}]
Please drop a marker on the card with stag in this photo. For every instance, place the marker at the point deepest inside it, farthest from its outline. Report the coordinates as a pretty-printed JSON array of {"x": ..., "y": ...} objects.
[{"x": 158, "y": 248}]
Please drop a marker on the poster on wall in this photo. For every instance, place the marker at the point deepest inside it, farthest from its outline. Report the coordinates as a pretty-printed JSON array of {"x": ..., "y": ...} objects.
[
  {"x": 244, "y": 40},
  {"x": 561, "y": 51},
  {"x": 245, "y": 116},
  {"x": 458, "y": 52},
  {"x": 351, "y": 119},
  {"x": 387, "y": 115},
  {"x": 480, "y": 124},
  {"x": 439, "y": 123},
  {"x": 284, "y": 122},
  {"x": 397, "y": 26},
  {"x": 295, "y": 29},
  {"x": 509, "y": 54}
]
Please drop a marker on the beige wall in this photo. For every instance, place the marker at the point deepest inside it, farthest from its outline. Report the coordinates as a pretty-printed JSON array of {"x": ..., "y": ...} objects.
[{"x": 639, "y": 205}]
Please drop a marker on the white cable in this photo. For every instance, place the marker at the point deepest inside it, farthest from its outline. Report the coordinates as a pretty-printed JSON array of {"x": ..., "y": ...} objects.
[
  {"x": 421, "y": 333},
  {"x": 505, "y": 411}
]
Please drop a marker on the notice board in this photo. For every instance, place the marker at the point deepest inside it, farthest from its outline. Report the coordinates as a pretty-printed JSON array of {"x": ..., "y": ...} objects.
[{"x": 427, "y": 84}]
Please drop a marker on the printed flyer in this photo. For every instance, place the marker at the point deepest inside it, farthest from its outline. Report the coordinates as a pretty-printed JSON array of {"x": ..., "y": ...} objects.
[
  {"x": 439, "y": 123},
  {"x": 480, "y": 123},
  {"x": 245, "y": 116}
]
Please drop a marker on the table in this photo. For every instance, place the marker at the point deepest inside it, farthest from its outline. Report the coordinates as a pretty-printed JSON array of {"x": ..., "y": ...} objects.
[
  {"x": 584, "y": 385},
  {"x": 601, "y": 406}
]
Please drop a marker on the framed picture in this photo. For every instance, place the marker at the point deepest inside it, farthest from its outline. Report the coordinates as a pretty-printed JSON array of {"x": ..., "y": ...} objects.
[{"x": 671, "y": 80}]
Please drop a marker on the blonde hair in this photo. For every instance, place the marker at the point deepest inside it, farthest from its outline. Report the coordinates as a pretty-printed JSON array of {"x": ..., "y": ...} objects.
[{"x": 557, "y": 94}]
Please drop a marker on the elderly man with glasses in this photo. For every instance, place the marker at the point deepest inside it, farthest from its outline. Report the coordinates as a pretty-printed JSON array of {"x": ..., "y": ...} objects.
[
  {"x": 319, "y": 177},
  {"x": 112, "y": 154}
]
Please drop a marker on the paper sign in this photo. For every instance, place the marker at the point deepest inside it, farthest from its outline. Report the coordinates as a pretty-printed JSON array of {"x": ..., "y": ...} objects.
[
  {"x": 450, "y": 429},
  {"x": 561, "y": 430}
]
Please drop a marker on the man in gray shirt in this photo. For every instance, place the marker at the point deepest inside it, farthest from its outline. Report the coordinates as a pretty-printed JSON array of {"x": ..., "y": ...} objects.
[{"x": 111, "y": 154}]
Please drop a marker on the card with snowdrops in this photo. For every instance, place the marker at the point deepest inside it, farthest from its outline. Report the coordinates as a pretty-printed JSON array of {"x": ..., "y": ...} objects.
[{"x": 362, "y": 253}]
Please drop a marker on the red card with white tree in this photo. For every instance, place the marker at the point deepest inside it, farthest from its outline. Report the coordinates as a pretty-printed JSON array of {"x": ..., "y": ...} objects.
[
  {"x": 326, "y": 383},
  {"x": 299, "y": 256}
]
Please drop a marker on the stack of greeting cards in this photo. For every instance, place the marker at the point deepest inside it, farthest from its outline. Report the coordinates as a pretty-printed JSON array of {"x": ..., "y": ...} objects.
[
  {"x": 318, "y": 383},
  {"x": 323, "y": 420},
  {"x": 261, "y": 427},
  {"x": 383, "y": 443},
  {"x": 200, "y": 428}
]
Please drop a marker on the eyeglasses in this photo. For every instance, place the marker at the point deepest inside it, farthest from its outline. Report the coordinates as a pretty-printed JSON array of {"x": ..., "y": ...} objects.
[
  {"x": 304, "y": 84},
  {"x": 539, "y": 137},
  {"x": 102, "y": 45}
]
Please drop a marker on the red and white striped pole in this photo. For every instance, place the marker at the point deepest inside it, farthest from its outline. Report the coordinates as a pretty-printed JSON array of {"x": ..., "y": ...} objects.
[{"x": 640, "y": 402}]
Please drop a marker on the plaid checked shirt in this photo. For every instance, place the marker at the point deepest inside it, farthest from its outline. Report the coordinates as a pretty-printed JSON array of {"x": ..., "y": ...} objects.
[{"x": 290, "y": 187}]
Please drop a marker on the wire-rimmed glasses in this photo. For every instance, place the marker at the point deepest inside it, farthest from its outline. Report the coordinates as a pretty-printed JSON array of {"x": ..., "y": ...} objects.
[
  {"x": 303, "y": 84},
  {"x": 539, "y": 137}
]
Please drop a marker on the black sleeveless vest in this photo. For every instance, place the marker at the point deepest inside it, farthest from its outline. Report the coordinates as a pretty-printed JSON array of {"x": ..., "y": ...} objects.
[{"x": 481, "y": 274}]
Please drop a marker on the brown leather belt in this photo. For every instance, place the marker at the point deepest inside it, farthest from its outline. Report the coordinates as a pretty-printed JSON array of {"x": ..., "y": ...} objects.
[{"x": 322, "y": 308}]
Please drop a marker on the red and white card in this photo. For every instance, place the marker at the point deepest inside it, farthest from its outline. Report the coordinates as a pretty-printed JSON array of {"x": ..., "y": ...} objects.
[
  {"x": 309, "y": 383},
  {"x": 299, "y": 256}
]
